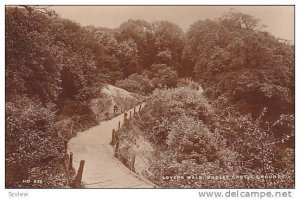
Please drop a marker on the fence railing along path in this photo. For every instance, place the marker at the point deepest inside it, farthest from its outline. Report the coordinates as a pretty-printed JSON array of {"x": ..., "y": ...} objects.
[{"x": 94, "y": 158}]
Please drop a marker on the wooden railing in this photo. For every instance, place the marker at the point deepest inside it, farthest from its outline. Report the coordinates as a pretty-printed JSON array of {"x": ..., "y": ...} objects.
[
  {"x": 76, "y": 183},
  {"x": 115, "y": 142}
]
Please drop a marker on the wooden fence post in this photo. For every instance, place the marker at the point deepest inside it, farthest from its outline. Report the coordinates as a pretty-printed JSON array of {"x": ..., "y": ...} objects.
[
  {"x": 132, "y": 163},
  {"x": 78, "y": 178},
  {"x": 113, "y": 137},
  {"x": 117, "y": 149},
  {"x": 125, "y": 117},
  {"x": 71, "y": 161},
  {"x": 66, "y": 145}
]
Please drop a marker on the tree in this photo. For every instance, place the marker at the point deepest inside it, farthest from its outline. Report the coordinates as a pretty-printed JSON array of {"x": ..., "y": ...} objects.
[
  {"x": 136, "y": 83},
  {"x": 163, "y": 76},
  {"x": 169, "y": 43},
  {"x": 128, "y": 55},
  {"x": 240, "y": 20},
  {"x": 234, "y": 58},
  {"x": 31, "y": 56},
  {"x": 49, "y": 61},
  {"x": 260, "y": 150},
  {"x": 159, "y": 42},
  {"x": 107, "y": 56},
  {"x": 31, "y": 140},
  {"x": 139, "y": 32}
]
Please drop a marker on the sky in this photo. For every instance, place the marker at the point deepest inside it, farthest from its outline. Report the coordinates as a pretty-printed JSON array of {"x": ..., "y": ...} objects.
[{"x": 278, "y": 19}]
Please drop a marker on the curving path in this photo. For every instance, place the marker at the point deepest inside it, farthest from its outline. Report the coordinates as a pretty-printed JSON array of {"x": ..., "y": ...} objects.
[{"x": 101, "y": 169}]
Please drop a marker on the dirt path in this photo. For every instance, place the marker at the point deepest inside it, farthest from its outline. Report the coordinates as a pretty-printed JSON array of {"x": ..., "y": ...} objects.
[{"x": 101, "y": 169}]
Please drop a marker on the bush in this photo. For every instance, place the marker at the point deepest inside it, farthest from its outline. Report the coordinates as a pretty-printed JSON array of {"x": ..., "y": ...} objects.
[
  {"x": 158, "y": 76},
  {"x": 83, "y": 112},
  {"x": 31, "y": 139},
  {"x": 191, "y": 137},
  {"x": 136, "y": 83}
]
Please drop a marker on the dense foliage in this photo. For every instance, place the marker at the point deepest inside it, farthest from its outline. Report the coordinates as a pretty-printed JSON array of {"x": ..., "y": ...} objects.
[
  {"x": 55, "y": 70},
  {"x": 235, "y": 59},
  {"x": 242, "y": 125},
  {"x": 49, "y": 63},
  {"x": 247, "y": 128},
  {"x": 157, "y": 76},
  {"x": 189, "y": 137}
]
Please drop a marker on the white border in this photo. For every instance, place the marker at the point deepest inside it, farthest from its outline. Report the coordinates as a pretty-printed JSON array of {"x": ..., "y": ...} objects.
[{"x": 124, "y": 193}]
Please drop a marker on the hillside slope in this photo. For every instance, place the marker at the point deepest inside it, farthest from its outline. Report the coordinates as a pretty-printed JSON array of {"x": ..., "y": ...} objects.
[{"x": 113, "y": 96}]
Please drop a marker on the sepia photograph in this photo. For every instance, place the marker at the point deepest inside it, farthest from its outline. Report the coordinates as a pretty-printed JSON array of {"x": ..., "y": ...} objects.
[{"x": 149, "y": 96}]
